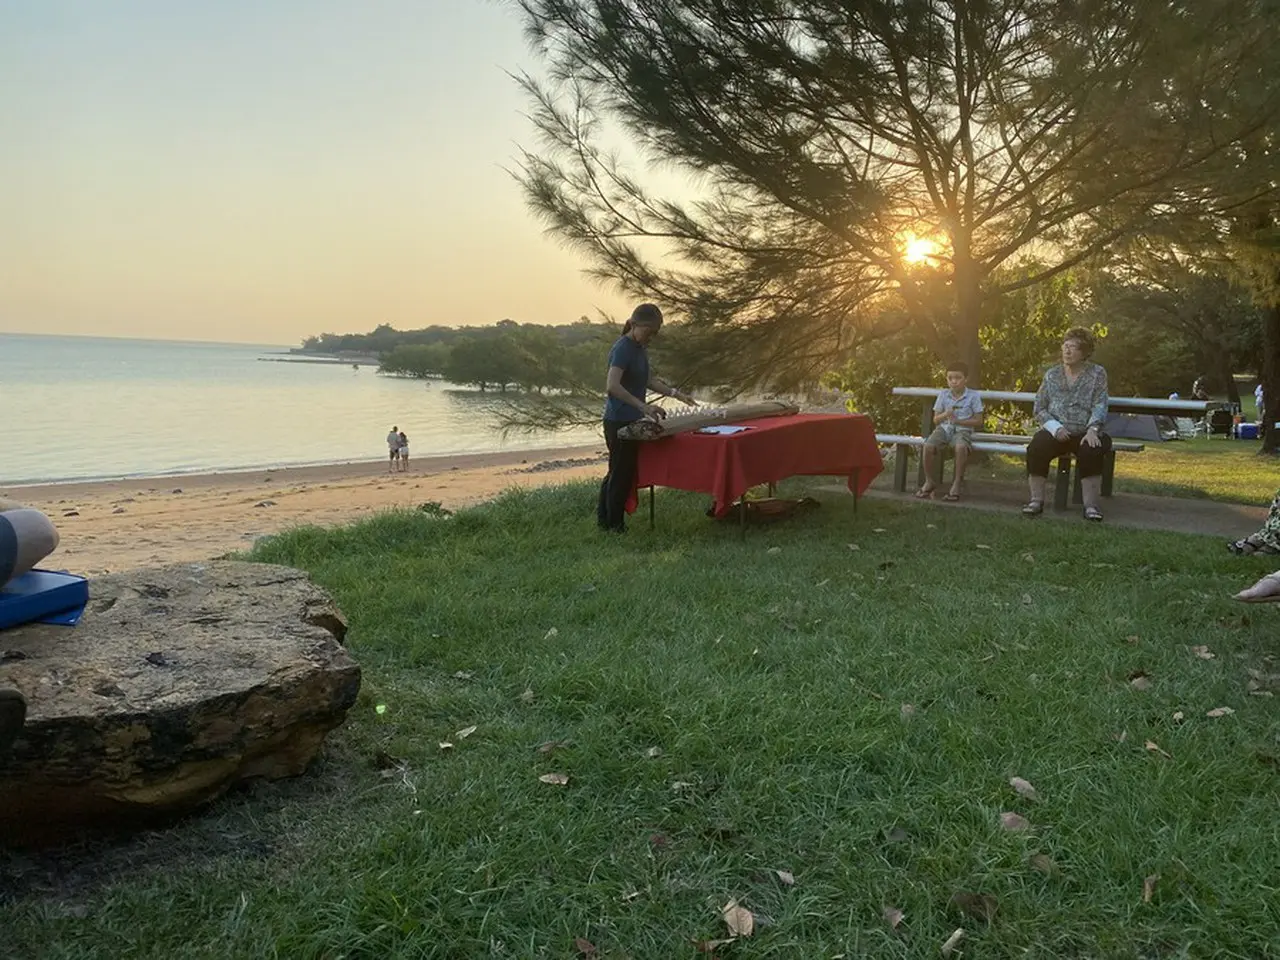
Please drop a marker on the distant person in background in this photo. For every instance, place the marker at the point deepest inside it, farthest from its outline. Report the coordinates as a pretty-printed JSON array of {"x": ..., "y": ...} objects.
[
  {"x": 1071, "y": 408},
  {"x": 404, "y": 452},
  {"x": 393, "y": 448},
  {"x": 1257, "y": 400},
  {"x": 1200, "y": 389},
  {"x": 26, "y": 537}
]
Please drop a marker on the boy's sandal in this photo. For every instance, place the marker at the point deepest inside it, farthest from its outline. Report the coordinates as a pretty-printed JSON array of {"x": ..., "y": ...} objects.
[
  {"x": 923, "y": 494},
  {"x": 1033, "y": 509},
  {"x": 1271, "y": 587},
  {"x": 951, "y": 497},
  {"x": 1093, "y": 514}
]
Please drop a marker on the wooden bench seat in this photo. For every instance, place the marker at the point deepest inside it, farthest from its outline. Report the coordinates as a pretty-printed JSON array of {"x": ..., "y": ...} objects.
[{"x": 1064, "y": 489}]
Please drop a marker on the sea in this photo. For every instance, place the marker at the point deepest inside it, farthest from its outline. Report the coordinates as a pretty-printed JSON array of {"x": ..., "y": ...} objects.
[{"x": 82, "y": 408}]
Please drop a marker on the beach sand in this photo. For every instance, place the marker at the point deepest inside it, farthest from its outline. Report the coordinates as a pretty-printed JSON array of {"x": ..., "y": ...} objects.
[{"x": 112, "y": 525}]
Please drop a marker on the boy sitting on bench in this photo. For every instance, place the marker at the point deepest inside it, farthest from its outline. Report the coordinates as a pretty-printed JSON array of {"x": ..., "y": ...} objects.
[
  {"x": 26, "y": 537},
  {"x": 957, "y": 412}
]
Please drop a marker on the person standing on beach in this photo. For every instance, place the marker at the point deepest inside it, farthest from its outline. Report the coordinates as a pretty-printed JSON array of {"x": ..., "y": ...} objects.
[
  {"x": 404, "y": 452},
  {"x": 626, "y": 383},
  {"x": 393, "y": 448},
  {"x": 26, "y": 537}
]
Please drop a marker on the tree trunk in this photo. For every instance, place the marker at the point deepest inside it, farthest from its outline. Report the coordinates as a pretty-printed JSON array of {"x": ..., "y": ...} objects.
[
  {"x": 968, "y": 315},
  {"x": 1224, "y": 365},
  {"x": 1271, "y": 379}
]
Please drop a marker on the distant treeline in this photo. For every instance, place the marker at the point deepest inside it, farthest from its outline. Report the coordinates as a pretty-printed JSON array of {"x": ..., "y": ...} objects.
[{"x": 526, "y": 356}]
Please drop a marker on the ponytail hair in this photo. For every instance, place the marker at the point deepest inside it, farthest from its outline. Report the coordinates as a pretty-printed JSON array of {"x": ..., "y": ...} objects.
[{"x": 645, "y": 315}]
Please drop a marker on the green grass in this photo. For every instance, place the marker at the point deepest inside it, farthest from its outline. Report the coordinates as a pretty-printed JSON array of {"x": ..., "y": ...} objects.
[
  {"x": 771, "y": 673},
  {"x": 1213, "y": 469}
]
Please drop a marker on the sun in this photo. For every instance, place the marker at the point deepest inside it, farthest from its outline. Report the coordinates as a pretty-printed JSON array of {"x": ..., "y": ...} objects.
[{"x": 919, "y": 249}]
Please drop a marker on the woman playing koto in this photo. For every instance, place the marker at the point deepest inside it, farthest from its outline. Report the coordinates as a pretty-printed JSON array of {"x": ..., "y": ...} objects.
[
  {"x": 1267, "y": 539},
  {"x": 26, "y": 537},
  {"x": 627, "y": 382}
]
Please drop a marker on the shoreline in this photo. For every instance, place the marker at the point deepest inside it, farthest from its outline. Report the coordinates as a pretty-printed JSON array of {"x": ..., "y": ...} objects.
[{"x": 113, "y": 525}]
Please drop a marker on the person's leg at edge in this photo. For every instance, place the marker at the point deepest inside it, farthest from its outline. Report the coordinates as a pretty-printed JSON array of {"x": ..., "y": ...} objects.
[
  {"x": 13, "y": 714},
  {"x": 26, "y": 537},
  {"x": 1089, "y": 463},
  {"x": 1266, "y": 590},
  {"x": 624, "y": 456}
]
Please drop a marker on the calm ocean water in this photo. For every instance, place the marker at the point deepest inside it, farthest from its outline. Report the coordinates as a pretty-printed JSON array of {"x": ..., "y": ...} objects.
[{"x": 84, "y": 407}]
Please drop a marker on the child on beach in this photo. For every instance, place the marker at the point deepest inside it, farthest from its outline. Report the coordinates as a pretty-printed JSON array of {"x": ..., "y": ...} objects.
[
  {"x": 956, "y": 413},
  {"x": 404, "y": 452},
  {"x": 393, "y": 448}
]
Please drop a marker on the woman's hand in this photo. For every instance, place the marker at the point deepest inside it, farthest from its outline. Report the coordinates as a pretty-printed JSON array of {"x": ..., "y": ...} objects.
[
  {"x": 654, "y": 412},
  {"x": 1063, "y": 434},
  {"x": 1091, "y": 438}
]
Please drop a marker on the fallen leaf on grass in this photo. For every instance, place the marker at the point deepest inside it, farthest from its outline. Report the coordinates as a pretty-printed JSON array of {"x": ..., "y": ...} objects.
[
  {"x": 1177, "y": 716},
  {"x": 1131, "y": 639},
  {"x": 853, "y": 546},
  {"x": 738, "y": 920},
  {"x": 773, "y": 551},
  {"x": 463, "y": 675},
  {"x": 952, "y": 941},
  {"x": 380, "y": 709},
  {"x": 653, "y": 753},
  {"x": 822, "y": 583},
  {"x": 553, "y": 632},
  {"x": 931, "y": 526},
  {"x": 786, "y": 876},
  {"x": 982, "y": 546},
  {"x": 1024, "y": 788},
  {"x": 980, "y": 906},
  {"x": 892, "y": 916},
  {"x": 446, "y": 745},
  {"x": 1120, "y": 737},
  {"x": 1026, "y": 600},
  {"x": 1014, "y": 821},
  {"x": 1203, "y": 652},
  {"x": 1219, "y": 712},
  {"x": 527, "y": 696},
  {"x": 897, "y": 835},
  {"x": 465, "y": 732},
  {"x": 1154, "y": 747},
  {"x": 551, "y": 746},
  {"x": 879, "y": 530},
  {"x": 1139, "y": 680},
  {"x": 1043, "y": 863},
  {"x": 555, "y": 779},
  {"x": 585, "y": 946},
  {"x": 1149, "y": 887},
  {"x": 1028, "y": 557},
  {"x": 907, "y": 711}
]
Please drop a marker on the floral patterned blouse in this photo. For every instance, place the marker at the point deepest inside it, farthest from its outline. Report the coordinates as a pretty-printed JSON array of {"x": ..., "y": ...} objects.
[{"x": 1076, "y": 406}]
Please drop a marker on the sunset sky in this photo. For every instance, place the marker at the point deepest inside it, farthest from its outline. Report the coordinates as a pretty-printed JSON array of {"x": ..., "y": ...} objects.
[{"x": 261, "y": 170}]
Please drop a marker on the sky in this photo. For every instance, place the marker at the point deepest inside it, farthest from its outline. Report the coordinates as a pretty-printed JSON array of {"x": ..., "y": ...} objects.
[{"x": 261, "y": 170}]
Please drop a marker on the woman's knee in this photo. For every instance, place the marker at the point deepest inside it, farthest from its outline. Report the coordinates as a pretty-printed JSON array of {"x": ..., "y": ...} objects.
[
  {"x": 35, "y": 537},
  {"x": 1040, "y": 451}
]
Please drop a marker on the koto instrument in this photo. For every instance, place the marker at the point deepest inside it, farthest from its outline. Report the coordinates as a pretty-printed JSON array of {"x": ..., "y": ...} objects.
[{"x": 705, "y": 417}]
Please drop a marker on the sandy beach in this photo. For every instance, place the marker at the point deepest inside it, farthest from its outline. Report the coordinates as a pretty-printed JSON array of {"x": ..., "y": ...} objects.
[{"x": 114, "y": 525}]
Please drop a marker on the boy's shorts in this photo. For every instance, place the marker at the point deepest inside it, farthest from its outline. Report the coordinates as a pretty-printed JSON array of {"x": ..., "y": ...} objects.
[{"x": 950, "y": 438}]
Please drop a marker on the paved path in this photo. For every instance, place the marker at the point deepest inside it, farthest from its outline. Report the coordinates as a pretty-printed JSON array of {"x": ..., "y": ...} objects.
[{"x": 1226, "y": 521}]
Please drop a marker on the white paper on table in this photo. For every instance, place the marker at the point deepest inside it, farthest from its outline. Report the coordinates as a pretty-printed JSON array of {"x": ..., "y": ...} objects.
[{"x": 723, "y": 430}]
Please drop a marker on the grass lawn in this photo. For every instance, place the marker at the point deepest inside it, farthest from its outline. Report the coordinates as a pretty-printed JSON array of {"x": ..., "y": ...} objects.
[
  {"x": 1214, "y": 469},
  {"x": 842, "y": 699}
]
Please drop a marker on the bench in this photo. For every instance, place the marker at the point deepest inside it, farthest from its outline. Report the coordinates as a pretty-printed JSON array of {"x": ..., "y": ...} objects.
[{"x": 1014, "y": 446}]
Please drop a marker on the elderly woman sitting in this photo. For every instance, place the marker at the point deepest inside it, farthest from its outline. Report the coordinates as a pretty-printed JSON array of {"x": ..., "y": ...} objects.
[
  {"x": 26, "y": 537},
  {"x": 1071, "y": 408}
]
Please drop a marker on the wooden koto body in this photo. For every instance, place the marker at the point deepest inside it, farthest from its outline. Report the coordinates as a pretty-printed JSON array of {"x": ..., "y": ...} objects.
[{"x": 647, "y": 429}]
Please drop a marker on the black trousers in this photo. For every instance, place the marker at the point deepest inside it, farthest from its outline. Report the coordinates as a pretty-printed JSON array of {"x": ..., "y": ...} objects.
[
  {"x": 1044, "y": 448},
  {"x": 624, "y": 457}
]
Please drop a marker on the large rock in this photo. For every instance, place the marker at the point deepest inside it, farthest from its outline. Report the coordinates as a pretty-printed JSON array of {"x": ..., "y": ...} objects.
[{"x": 178, "y": 682}]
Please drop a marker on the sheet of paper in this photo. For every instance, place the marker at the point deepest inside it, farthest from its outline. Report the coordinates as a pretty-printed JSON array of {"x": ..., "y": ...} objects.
[{"x": 724, "y": 429}]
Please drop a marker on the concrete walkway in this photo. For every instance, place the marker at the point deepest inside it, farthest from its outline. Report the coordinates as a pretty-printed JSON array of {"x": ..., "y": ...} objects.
[{"x": 1225, "y": 521}]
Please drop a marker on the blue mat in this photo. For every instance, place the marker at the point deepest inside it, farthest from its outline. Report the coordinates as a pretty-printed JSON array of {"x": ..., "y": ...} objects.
[{"x": 45, "y": 597}]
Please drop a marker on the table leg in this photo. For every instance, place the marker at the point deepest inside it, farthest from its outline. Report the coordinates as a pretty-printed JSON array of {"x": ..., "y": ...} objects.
[
  {"x": 742, "y": 514},
  {"x": 651, "y": 506},
  {"x": 855, "y": 490}
]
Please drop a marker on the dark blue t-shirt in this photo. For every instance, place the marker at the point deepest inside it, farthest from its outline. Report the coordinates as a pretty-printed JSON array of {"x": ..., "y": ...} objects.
[{"x": 634, "y": 361}]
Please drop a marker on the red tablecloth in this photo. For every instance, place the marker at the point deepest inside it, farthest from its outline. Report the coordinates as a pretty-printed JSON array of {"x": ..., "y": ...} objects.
[{"x": 727, "y": 465}]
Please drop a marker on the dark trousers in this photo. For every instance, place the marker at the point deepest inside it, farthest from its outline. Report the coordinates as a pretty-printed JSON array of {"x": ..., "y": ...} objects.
[
  {"x": 624, "y": 457},
  {"x": 1044, "y": 448}
]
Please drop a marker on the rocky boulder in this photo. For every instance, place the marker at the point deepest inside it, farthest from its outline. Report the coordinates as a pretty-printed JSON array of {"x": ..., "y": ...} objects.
[{"x": 178, "y": 682}]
